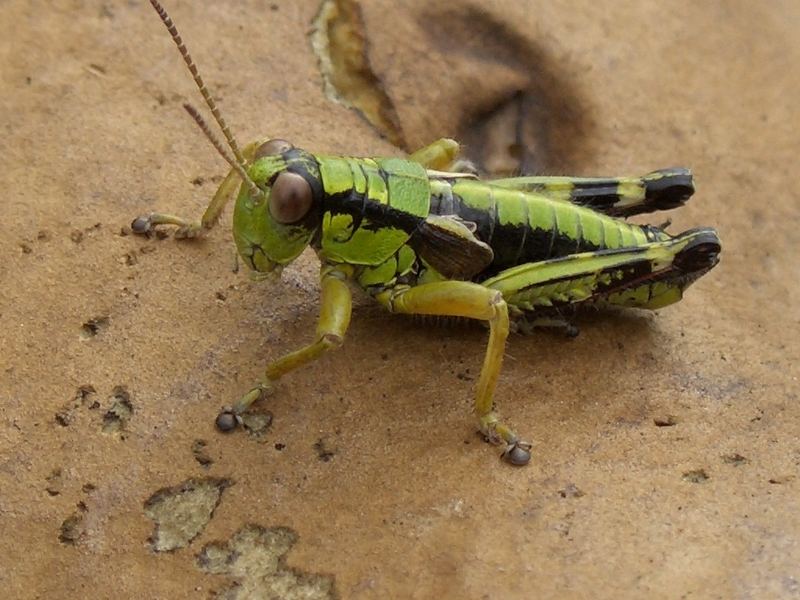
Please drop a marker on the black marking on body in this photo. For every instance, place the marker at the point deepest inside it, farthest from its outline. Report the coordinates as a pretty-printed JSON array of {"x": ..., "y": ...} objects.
[
  {"x": 512, "y": 244},
  {"x": 634, "y": 275},
  {"x": 701, "y": 254},
  {"x": 452, "y": 204},
  {"x": 600, "y": 195},
  {"x": 670, "y": 191},
  {"x": 377, "y": 216}
]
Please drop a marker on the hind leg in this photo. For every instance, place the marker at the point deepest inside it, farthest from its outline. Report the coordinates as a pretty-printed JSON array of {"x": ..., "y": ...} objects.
[{"x": 473, "y": 301}]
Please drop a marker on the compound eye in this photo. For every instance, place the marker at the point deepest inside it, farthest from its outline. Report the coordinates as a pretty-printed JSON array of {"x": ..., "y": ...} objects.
[
  {"x": 272, "y": 148},
  {"x": 290, "y": 198}
]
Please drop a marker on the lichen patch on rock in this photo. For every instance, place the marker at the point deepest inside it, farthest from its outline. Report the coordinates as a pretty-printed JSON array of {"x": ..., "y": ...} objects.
[{"x": 182, "y": 512}]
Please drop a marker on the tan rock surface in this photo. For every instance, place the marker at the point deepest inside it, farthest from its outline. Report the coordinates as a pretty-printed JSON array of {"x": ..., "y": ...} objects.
[{"x": 666, "y": 455}]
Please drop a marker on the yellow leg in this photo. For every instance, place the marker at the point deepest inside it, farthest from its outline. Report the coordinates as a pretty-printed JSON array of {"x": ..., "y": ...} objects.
[
  {"x": 439, "y": 155},
  {"x": 334, "y": 318},
  {"x": 190, "y": 229},
  {"x": 466, "y": 299}
]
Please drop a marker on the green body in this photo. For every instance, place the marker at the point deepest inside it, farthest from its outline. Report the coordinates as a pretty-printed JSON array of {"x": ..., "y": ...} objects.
[{"x": 394, "y": 221}]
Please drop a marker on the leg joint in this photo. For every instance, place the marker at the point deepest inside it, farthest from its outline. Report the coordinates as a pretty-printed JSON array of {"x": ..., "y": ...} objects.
[
  {"x": 496, "y": 299},
  {"x": 330, "y": 341}
]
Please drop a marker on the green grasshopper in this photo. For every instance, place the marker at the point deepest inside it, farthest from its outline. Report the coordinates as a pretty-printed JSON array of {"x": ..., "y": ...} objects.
[{"x": 424, "y": 237}]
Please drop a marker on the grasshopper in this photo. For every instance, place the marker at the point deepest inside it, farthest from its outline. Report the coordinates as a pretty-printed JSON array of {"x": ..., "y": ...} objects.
[{"x": 424, "y": 237}]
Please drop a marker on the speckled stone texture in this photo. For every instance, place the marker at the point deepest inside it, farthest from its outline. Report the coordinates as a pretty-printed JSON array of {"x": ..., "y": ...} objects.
[{"x": 666, "y": 448}]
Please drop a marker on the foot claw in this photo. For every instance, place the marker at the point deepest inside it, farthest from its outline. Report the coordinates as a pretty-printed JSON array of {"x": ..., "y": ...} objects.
[
  {"x": 230, "y": 417},
  {"x": 227, "y": 420},
  {"x": 142, "y": 225},
  {"x": 146, "y": 225},
  {"x": 517, "y": 453}
]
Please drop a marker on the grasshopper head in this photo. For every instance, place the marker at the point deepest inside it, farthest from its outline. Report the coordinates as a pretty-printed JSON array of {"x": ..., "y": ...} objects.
[
  {"x": 278, "y": 208},
  {"x": 273, "y": 228}
]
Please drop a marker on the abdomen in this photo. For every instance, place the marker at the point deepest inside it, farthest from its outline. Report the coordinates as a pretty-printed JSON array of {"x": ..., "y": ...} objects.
[{"x": 522, "y": 227}]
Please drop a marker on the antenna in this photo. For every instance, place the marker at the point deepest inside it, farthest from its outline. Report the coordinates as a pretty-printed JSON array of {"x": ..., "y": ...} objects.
[
  {"x": 257, "y": 193},
  {"x": 173, "y": 31}
]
